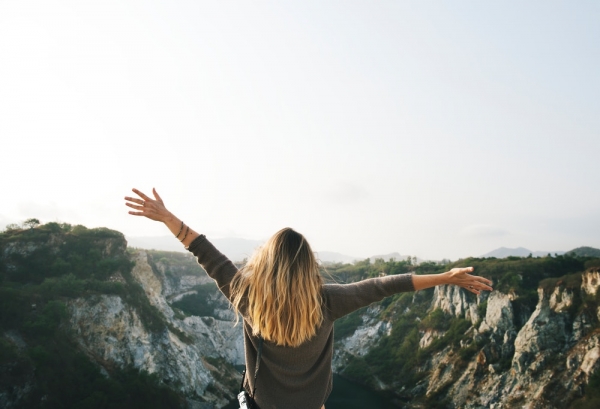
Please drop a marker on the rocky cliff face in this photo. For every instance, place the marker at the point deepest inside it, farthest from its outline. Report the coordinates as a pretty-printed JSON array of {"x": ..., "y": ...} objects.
[
  {"x": 455, "y": 301},
  {"x": 507, "y": 349},
  {"x": 544, "y": 361},
  {"x": 111, "y": 331},
  {"x": 63, "y": 285}
]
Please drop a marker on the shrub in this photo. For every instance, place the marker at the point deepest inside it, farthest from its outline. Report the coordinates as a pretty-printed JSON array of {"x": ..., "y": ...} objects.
[
  {"x": 436, "y": 320},
  {"x": 198, "y": 304},
  {"x": 346, "y": 326}
]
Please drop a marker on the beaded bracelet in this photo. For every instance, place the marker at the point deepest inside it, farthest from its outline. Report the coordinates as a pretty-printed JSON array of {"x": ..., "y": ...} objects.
[
  {"x": 180, "y": 230},
  {"x": 186, "y": 233}
]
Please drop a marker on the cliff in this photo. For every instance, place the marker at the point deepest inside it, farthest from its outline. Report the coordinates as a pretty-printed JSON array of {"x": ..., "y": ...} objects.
[
  {"x": 109, "y": 330},
  {"x": 85, "y": 322},
  {"x": 116, "y": 312},
  {"x": 491, "y": 351}
]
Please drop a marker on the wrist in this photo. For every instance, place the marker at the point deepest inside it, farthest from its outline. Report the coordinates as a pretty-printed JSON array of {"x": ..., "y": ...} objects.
[
  {"x": 170, "y": 218},
  {"x": 445, "y": 278}
]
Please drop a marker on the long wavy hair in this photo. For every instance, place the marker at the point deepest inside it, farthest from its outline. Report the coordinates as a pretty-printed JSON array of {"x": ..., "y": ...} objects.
[{"x": 279, "y": 290}]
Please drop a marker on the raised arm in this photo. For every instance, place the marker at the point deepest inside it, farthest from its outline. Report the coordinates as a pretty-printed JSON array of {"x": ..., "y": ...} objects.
[{"x": 154, "y": 209}]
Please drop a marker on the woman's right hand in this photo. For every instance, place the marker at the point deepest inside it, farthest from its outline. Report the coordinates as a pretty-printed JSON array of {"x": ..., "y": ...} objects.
[{"x": 153, "y": 209}]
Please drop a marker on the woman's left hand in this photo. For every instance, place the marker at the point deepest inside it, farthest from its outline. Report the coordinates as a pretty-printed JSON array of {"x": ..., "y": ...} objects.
[
  {"x": 462, "y": 278},
  {"x": 153, "y": 209}
]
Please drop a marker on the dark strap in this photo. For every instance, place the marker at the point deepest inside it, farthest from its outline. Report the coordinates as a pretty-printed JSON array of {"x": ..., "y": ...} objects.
[
  {"x": 243, "y": 379},
  {"x": 260, "y": 345}
]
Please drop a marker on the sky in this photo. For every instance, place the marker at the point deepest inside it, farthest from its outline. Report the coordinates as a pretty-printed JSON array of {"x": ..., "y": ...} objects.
[{"x": 433, "y": 128}]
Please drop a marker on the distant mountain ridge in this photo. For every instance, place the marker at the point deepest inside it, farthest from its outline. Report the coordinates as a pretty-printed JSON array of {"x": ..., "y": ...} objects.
[
  {"x": 504, "y": 252},
  {"x": 236, "y": 249},
  {"x": 333, "y": 257}
]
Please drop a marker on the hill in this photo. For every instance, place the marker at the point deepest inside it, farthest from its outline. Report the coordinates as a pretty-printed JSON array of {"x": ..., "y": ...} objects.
[
  {"x": 447, "y": 348},
  {"x": 234, "y": 248},
  {"x": 585, "y": 252},
  {"x": 86, "y": 322},
  {"x": 333, "y": 257},
  {"x": 504, "y": 252}
]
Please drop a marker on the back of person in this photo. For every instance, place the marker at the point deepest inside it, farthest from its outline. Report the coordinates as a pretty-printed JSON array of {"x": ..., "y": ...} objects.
[
  {"x": 290, "y": 376},
  {"x": 280, "y": 295}
]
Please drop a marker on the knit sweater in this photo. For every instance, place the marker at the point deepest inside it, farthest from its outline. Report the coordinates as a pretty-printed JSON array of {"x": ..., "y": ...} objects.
[{"x": 298, "y": 377}]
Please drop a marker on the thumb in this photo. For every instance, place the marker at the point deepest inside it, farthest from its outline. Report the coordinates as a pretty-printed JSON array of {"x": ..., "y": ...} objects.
[{"x": 156, "y": 195}]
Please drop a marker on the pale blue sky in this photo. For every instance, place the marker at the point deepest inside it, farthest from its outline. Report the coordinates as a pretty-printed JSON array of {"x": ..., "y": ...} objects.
[{"x": 436, "y": 129}]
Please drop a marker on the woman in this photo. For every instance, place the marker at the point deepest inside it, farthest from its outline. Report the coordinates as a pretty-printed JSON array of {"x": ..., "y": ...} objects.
[{"x": 283, "y": 301}]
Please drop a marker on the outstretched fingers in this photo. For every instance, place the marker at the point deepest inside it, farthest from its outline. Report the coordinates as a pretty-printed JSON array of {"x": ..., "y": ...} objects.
[
  {"x": 140, "y": 194},
  {"x": 481, "y": 282},
  {"x": 484, "y": 281},
  {"x": 478, "y": 284},
  {"x": 153, "y": 209},
  {"x": 137, "y": 204},
  {"x": 134, "y": 206},
  {"x": 134, "y": 200},
  {"x": 475, "y": 289},
  {"x": 136, "y": 213},
  {"x": 472, "y": 283}
]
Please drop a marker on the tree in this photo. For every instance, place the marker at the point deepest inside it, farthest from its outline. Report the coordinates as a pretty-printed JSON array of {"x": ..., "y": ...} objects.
[
  {"x": 12, "y": 227},
  {"x": 31, "y": 223}
]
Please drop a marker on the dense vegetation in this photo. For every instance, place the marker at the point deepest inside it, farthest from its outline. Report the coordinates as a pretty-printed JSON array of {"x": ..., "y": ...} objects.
[
  {"x": 175, "y": 264},
  {"x": 592, "y": 394},
  {"x": 41, "y": 268},
  {"x": 585, "y": 252},
  {"x": 398, "y": 359},
  {"x": 196, "y": 303}
]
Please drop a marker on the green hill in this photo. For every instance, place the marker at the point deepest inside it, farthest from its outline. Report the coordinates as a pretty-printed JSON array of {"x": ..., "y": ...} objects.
[
  {"x": 42, "y": 268},
  {"x": 585, "y": 252}
]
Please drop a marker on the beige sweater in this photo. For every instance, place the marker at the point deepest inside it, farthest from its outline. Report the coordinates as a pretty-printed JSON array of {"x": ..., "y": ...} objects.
[{"x": 300, "y": 377}]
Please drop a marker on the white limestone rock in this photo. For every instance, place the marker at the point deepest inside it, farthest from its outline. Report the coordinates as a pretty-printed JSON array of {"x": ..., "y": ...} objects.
[
  {"x": 499, "y": 316},
  {"x": 150, "y": 282},
  {"x": 590, "y": 281},
  {"x": 455, "y": 301},
  {"x": 560, "y": 299},
  {"x": 545, "y": 330},
  {"x": 428, "y": 336},
  {"x": 111, "y": 331}
]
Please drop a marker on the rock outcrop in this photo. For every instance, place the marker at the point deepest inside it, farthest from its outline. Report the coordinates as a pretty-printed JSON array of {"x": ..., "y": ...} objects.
[
  {"x": 544, "y": 363},
  {"x": 498, "y": 350},
  {"x": 455, "y": 301},
  {"x": 112, "y": 333}
]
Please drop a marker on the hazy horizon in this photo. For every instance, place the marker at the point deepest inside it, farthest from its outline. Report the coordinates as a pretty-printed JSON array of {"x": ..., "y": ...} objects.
[
  {"x": 435, "y": 129},
  {"x": 238, "y": 249}
]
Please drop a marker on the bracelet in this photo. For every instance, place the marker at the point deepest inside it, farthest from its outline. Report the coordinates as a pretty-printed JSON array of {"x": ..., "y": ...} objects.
[
  {"x": 180, "y": 230},
  {"x": 186, "y": 233}
]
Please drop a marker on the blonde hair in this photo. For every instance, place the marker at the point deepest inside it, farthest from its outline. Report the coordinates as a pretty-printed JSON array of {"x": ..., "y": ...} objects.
[{"x": 279, "y": 289}]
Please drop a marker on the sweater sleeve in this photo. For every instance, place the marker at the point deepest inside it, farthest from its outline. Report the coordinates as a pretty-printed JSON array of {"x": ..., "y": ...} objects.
[
  {"x": 342, "y": 299},
  {"x": 216, "y": 264}
]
